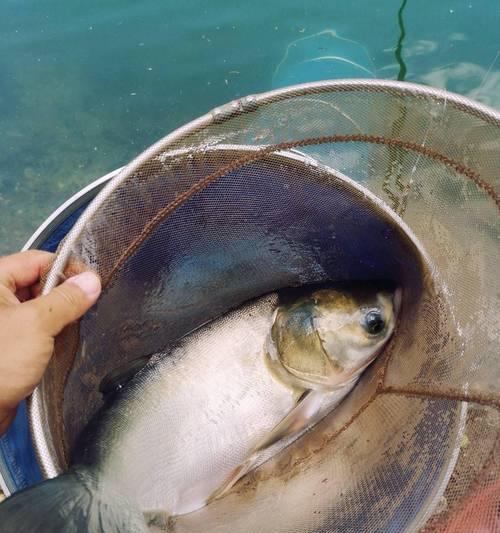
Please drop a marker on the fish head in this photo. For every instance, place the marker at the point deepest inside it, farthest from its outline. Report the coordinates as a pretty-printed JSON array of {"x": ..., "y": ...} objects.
[{"x": 327, "y": 338}]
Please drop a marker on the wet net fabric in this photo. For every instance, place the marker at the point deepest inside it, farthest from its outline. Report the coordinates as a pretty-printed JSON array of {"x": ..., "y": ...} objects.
[{"x": 258, "y": 195}]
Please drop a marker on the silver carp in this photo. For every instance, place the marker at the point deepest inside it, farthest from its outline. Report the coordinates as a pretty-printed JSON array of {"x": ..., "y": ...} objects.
[{"x": 196, "y": 418}]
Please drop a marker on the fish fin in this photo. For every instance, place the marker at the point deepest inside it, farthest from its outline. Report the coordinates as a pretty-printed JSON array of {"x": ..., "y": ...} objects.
[
  {"x": 74, "y": 503},
  {"x": 119, "y": 376},
  {"x": 295, "y": 421}
]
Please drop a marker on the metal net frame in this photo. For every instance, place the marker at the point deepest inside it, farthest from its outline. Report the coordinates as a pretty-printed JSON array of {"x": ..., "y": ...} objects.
[{"x": 430, "y": 161}]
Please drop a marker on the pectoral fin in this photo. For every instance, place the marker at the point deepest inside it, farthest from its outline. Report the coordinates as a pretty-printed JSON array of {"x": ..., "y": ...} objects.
[{"x": 294, "y": 422}]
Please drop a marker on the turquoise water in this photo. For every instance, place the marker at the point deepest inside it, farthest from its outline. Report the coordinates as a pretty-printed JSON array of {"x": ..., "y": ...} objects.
[{"x": 85, "y": 86}]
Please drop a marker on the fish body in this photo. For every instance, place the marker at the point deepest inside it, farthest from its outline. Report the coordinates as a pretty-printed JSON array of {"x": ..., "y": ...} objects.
[{"x": 221, "y": 401}]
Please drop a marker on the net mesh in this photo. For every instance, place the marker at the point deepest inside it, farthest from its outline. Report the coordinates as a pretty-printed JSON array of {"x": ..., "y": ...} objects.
[{"x": 254, "y": 197}]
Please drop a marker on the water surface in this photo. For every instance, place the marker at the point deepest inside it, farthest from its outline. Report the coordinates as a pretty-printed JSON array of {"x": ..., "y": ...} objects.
[{"x": 86, "y": 86}]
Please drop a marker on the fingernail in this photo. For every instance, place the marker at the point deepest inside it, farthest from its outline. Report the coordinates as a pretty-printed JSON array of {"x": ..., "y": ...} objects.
[{"x": 88, "y": 282}]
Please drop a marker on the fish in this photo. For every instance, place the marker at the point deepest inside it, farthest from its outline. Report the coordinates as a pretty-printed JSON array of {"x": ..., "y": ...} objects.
[{"x": 181, "y": 427}]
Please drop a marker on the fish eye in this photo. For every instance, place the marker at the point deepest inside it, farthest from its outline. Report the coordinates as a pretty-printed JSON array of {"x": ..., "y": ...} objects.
[{"x": 373, "y": 322}]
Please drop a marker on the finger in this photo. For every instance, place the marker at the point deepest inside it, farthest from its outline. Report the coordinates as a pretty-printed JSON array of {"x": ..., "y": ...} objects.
[
  {"x": 23, "y": 269},
  {"x": 66, "y": 303}
]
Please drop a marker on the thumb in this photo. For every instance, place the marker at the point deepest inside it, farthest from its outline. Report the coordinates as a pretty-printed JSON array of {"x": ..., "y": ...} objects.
[{"x": 66, "y": 302}]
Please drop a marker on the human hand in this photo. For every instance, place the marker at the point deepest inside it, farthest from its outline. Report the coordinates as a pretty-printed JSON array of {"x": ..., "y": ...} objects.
[{"x": 29, "y": 323}]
